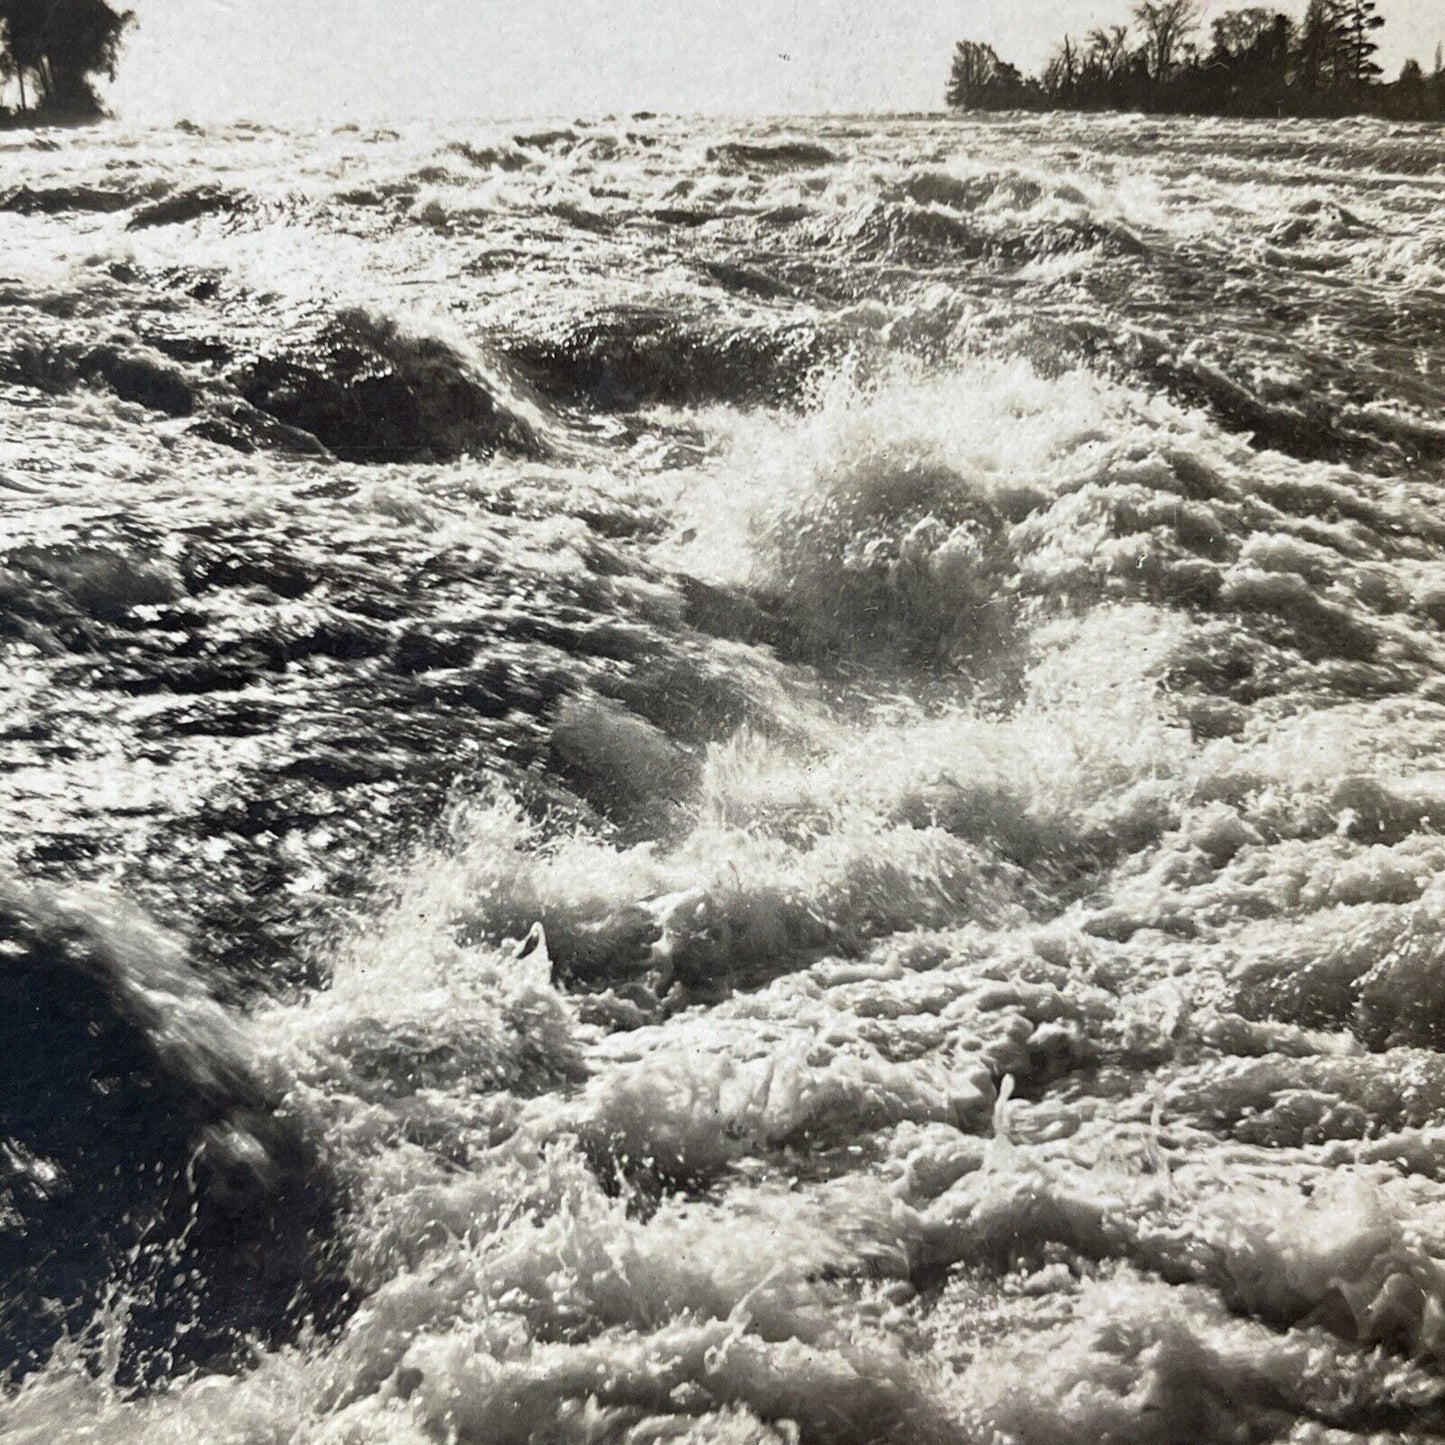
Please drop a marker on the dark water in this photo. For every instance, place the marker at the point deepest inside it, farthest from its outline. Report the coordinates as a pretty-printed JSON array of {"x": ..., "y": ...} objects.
[{"x": 707, "y": 782}]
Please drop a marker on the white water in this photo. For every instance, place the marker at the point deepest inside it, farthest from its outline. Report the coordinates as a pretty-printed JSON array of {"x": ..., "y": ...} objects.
[{"x": 872, "y": 875}]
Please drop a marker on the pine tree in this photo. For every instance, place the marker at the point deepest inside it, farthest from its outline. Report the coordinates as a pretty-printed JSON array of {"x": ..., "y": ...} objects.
[
  {"x": 1320, "y": 44},
  {"x": 1358, "y": 22}
]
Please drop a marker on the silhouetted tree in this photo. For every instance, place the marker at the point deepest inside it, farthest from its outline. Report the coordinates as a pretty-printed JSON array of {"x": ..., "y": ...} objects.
[
  {"x": 1412, "y": 91},
  {"x": 1109, "y": 48},
  {"x": 1236, "y": 33},
  {"x": 1358, "y": 22},
  {"x": 973, "y": 70},
  {"x": 979, "y": 80},
  {"x": 1321, "y": 47},
  {"x": 1061, "y": 74},
  {"x": 1166, "y": 25},
  {"x": 1248, "y": 62},
  {"x": 56, "y": 49}
]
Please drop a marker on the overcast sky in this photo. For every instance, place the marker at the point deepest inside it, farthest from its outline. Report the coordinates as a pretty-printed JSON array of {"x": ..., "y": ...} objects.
[{"x": 503, "y": 58}]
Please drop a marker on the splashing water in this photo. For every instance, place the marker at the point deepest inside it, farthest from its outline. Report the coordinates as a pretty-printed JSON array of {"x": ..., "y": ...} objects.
[{"x": 678, "y": 782}]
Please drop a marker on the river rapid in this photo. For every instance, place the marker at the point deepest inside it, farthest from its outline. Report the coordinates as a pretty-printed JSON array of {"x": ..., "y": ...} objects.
[{"x": 674, "y": 781}]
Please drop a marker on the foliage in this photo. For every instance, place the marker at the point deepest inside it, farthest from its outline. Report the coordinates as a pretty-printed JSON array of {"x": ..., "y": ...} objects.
[
  {"x": 1358, "y": 20},
  {"x": 54, "y": 51},
  {"x": 979, "y": 80},
  {"x": 1257, "y": 62},
  {"x": 1167, "y": 25}
]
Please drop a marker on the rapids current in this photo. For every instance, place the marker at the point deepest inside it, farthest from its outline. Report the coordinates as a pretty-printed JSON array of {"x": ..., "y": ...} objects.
[{"x": 696, "y": 781}]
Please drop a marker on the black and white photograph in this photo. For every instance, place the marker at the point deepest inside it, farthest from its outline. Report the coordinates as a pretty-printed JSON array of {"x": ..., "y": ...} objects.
[{"x": 722, "y": 723}]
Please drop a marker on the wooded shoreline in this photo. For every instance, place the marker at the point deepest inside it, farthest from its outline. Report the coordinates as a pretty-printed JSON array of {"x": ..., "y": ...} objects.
[{"x": 1258, "y": 64}]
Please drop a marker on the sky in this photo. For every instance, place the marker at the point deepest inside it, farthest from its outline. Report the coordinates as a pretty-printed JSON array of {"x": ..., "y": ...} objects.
[{"x": 374, "y": 59}]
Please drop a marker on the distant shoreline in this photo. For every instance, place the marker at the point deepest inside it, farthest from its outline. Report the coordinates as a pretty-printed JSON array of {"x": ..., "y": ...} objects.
[
  {"x": 1255, "y": 64},
  {"x": 1434, "y": 118},
  {"x": 46, "y": 120}
]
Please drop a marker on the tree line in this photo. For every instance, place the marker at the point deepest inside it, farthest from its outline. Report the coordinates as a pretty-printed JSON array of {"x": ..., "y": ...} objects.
[
  {"x": 1254, "y": 62},
  {"x": 52, "y": 55}
]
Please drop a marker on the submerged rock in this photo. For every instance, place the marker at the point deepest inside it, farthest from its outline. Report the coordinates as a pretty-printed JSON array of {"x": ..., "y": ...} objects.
[
  {"x": 783, "y": 155},
  {"x": 139, "y": 1149},
  {"x": 638, "y": 356},
  {"x": 370, "y": 393}
]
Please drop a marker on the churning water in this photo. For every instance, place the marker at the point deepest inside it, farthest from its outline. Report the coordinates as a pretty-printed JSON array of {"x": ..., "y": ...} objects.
[{"x": 723, "y": 783}]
